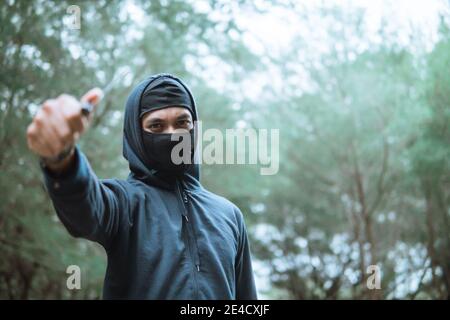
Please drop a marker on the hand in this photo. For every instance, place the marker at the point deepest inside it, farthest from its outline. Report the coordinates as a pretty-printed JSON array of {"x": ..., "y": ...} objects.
[{"x": 58, "y": 125}]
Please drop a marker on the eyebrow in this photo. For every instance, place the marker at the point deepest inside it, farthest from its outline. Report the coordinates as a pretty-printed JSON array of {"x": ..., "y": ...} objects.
[
  {"x": 154, "y": 120},
  {"x": 183, "y": 116}
]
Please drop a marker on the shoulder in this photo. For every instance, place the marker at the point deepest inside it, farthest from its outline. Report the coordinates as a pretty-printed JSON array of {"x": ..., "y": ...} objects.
[
  {"x": 124, "y": 189},
  {"x": 115, "y": 184},
  {"x": 130, "y": 188},
  {"x": 226, "y": 206},
  {"x": 135, "y": 191}
]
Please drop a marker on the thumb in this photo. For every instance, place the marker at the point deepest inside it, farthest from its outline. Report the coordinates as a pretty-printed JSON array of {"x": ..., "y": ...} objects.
[{"x": 93, "y": 96}]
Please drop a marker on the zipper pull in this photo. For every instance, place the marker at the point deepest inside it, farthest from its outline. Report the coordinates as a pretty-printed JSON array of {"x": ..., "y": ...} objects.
[
  {"x": 186, "y": 218},
  {"x": 185, "y": 198},
  {"x": 198, "y": 267}
]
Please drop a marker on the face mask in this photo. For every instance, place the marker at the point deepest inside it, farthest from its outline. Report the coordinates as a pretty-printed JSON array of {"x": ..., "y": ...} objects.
[{"x": 170, "y": 153}]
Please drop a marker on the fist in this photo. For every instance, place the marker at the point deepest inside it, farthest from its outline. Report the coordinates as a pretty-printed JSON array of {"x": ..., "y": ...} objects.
[{"x": 59, "y": 123}]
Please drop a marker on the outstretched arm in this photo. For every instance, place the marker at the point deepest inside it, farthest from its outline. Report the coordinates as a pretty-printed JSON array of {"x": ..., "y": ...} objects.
[{"x": 87, "y": 207}]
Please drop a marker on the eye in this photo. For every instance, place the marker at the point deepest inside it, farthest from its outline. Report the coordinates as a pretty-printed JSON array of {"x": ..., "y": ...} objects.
[
  {"x": 184, "y": 123},
  {"x": 155, "y": 126}
]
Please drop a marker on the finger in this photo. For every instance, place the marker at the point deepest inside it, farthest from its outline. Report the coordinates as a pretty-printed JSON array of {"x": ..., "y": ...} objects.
[
  {"x": 44, "y": 150},
  {"x": 61, "y": 128},
  {"x": 35, "y": 141},
  {"x": 58, "y": 123},
  {"x": 60, "y": 136},
  {"x": 71, "y": 111},
  {"x": 32, "y": 138},
  {"x": 47, "y": 135},
  {"x": 40, "y": 122}
]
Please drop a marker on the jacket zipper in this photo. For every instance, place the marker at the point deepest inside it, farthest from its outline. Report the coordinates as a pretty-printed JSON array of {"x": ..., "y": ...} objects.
[
  {"x": 192, "y": 244},
  {"x": 197, "y": 257}
]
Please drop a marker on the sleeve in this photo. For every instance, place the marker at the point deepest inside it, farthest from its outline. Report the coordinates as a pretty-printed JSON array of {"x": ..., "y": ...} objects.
[
  {"x": 245, "y": 282},
  {"x": 88, "y": 208}
]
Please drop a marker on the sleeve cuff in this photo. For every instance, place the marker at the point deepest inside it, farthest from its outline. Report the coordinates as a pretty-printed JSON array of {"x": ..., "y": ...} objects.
[{"x": 71, "y": 182}]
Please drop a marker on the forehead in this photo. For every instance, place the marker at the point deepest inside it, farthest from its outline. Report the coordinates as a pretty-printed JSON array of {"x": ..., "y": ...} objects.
[{"x": 166, "y": 113}]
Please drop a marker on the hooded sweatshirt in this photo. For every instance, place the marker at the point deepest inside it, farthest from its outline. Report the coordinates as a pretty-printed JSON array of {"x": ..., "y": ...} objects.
[{"x": 165, "y": 238}]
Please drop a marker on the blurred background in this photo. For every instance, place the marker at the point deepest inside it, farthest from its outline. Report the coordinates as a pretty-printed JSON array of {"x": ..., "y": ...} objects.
[{"x": 360, "y": 91}]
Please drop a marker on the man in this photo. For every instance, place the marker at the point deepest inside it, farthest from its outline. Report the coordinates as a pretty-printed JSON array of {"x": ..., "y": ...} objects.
[{"x": 166, "y": 237}]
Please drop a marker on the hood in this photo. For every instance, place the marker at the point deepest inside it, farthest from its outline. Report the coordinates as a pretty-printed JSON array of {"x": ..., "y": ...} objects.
[{"x": 133, "y": 147}]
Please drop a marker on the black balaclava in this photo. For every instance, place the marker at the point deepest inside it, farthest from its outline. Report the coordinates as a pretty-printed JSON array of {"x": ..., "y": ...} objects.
[
  {"x": 163, "y": 93},
  {"x": 134, "y": 149}
]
